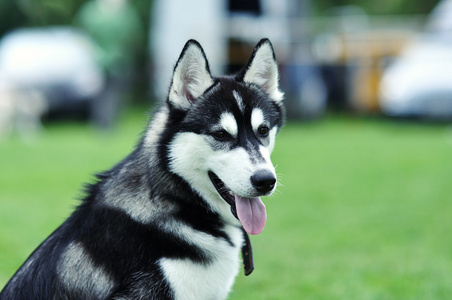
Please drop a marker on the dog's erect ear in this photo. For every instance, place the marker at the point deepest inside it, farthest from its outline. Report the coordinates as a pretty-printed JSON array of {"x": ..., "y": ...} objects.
[
  {"x": 191, "y": 76},
  {"x": 262, "y": 70}
]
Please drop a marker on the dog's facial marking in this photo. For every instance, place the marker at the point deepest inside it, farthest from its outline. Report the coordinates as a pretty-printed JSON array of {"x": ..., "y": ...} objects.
[
  {"x": 78, "y": 273},
  {"x": 229, "y": 124},
  {"x": 257, "y": 119},
  {"x": 262, "y": 129},
  {"x": 239, "y": 100}
]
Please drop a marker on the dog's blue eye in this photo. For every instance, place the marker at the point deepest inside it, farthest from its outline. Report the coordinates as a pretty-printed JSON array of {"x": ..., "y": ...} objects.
[
  {"x": 263, "y": 130},
  {"x": 221, "y": 135}
]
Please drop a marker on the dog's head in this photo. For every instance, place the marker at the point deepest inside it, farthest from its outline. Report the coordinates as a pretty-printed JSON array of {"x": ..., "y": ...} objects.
[{"x": 225, "y": 130}]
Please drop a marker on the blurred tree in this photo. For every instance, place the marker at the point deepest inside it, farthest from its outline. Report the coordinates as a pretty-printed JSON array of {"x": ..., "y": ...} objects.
[
  {"x": 14, "y": 14},
  {"x": 379, "y": 7},
  {"x": 11, "y": 16}
]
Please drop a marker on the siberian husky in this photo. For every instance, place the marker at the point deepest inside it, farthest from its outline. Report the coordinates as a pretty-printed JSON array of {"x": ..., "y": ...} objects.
[{"x": 170, "y": 220}]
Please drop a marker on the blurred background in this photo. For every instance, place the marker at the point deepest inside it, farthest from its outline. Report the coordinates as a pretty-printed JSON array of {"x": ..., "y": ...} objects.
[
  {"x": 90, "y": 58},
  {"x": 363, "y": 210}
]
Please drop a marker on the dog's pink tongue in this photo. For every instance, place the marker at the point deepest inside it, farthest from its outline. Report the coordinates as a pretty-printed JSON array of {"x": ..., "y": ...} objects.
[{"x": 251, "y": 213}]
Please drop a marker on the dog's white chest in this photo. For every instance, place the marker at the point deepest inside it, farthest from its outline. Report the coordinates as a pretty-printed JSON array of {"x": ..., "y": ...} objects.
[{"x": 190, "y": 280}]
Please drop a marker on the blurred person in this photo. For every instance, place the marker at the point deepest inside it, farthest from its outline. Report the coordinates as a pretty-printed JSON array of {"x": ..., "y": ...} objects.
[
  {"x": 115, "y": 28},
  {"x": 20, "y": 110}
]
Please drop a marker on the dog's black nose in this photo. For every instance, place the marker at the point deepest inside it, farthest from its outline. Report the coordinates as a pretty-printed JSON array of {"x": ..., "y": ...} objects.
[{"x": 263, "y": 181}]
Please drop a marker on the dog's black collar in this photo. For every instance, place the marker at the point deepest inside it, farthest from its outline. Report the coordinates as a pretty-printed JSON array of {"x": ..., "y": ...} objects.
[
  {"x": 247, "y": 250},
  {"x": 224, "y": 192},
  {"x": 247, "y": 254}
]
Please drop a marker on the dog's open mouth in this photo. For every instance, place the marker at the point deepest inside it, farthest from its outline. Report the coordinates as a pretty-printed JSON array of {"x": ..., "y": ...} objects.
[{"x": 250, "y": 212}]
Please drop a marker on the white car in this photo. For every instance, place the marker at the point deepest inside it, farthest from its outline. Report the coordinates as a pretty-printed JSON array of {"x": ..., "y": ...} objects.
[
  {"x": 419, "y": 82},
  {"x": 57, "y": 62}
]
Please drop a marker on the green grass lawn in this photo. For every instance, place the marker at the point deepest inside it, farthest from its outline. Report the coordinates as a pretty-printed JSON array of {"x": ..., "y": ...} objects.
[{"x": 364, "y": 209}]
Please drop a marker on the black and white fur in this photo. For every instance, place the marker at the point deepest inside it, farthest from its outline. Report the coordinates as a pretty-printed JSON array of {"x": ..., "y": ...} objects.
[{"x": 162, "y": 224}]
